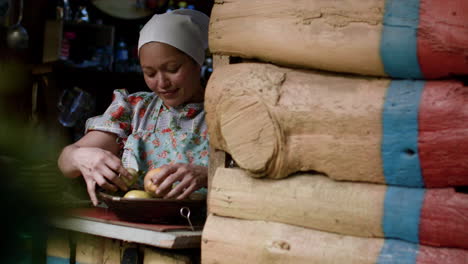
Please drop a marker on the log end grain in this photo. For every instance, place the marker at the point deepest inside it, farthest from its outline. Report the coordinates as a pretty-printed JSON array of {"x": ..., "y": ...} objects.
[{"x": 250, "y": 133}]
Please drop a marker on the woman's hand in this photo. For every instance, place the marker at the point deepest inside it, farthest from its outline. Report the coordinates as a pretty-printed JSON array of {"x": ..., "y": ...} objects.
[
  {"x": 191, "y": 178},
  {"x": 94, "y": 157},
  {"x": 100, "y": 167}
]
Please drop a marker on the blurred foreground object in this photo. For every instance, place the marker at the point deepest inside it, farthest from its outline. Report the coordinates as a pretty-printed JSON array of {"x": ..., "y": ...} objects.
[{"x": 31, "y": 183}]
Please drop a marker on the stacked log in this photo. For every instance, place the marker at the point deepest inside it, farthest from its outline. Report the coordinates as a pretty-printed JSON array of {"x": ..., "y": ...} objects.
[
  {"x": 350, "y": 146},
  {"x": 276, "y": 121},
  {"x": 437, "y": 217},
  {"x": 419, "y": 39},
  {"x": 246, "y": 241}
]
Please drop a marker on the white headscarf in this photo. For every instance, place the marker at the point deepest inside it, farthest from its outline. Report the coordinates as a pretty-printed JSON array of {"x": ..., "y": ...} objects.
[{"x": 184, "y": 29}]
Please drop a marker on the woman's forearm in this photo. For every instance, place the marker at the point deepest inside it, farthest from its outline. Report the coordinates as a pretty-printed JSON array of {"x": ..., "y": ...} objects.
[{"x": 65, "y": 162}]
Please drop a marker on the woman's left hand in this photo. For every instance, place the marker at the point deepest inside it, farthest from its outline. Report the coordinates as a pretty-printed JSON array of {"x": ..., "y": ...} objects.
[{"x": 191, "y": 178}]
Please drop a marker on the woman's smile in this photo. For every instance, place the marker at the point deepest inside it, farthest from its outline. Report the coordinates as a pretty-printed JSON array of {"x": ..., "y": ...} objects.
[{"x": 170, "y": 93}]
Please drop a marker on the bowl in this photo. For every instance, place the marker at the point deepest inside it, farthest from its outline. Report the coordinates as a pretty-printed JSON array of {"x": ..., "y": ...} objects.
[{"x": 156, "y": 210}]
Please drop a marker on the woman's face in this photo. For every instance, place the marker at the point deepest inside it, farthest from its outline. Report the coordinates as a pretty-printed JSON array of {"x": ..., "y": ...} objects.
[{"x": 171, "y": 74}]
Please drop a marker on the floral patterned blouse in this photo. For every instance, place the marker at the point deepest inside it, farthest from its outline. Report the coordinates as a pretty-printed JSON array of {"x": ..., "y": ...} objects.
[{"x": 152, "y": 134}]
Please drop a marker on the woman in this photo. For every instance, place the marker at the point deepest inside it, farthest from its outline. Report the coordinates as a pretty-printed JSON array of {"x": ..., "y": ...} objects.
[{"x": 163, "y": 128}]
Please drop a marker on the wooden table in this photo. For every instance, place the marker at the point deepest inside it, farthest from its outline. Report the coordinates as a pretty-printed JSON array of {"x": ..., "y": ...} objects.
[{"x": 100, "y": 222}]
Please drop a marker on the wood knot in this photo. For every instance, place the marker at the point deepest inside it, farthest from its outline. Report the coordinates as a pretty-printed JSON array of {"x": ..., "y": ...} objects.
[{"x": 279, "y": 244}]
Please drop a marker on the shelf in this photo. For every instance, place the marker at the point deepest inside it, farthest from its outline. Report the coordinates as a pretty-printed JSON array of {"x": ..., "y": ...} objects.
[{"x": 167, "y": 239}]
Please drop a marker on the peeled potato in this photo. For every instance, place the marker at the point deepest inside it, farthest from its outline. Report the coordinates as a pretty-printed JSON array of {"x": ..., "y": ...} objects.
[
  {"x": 150, "y": 187},
  {"x": 137, "y": 194},
  {"x": 134, "y": 174}
]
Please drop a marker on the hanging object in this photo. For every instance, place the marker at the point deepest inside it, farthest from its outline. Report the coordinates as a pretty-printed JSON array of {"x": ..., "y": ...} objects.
[
  {"x": 17, "y": 36},
  {"x": 126, "y": 9}
]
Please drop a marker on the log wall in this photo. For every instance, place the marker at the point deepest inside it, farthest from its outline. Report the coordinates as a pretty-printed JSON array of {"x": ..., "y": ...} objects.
[{"x": 349, "y": 132}]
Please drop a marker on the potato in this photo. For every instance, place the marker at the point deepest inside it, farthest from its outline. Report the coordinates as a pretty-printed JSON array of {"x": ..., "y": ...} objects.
[
  {"x": 150, "y": 187},
  {"x": 134, "y": 179},
  {"x": 137, "y": 194}
]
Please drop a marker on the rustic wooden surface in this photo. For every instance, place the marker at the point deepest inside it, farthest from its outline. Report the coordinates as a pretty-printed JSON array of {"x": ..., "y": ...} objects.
[
  {"x": 435, "y": 217},
  {"x": 169, "y": 239},
  {"x": 275, "y": 121},
  {"x": 321, "y": 34},
  {"x": 217, "y": 157},
  {"x": 424, "y": 39},
  {"x": 58, "y": 246},
  {"x": 90, "y": 249},
  {"x": 308, "y": 200},
  {"x": 157, "y": 256},
  {"x": 229, "y": 240}
]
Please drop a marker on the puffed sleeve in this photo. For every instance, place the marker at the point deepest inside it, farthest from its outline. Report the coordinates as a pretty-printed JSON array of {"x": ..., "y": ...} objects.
[{"x": 117, "y": 118}]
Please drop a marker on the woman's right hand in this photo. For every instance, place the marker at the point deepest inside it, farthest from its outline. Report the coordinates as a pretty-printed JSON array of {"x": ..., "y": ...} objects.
[
  {"x": 94, "y": 157},
  {"x": 100, "y": 167}
]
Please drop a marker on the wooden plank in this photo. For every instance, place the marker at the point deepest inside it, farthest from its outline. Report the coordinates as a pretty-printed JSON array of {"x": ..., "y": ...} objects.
[
  {"x": 170, "y": 239},
  {"x": 159, "y": 256},
  {"x": 276, "y": 121},
  {"x": 229, "y": 240},
  {"x": 424, "y": 39},
  {"x": 89, "y": 248},
  {"x": 112, "y": 251},
  {"x": 58, "y": 246},
  {"x": 92, "y": 249},
  {"x": 429, "y": 217}
]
